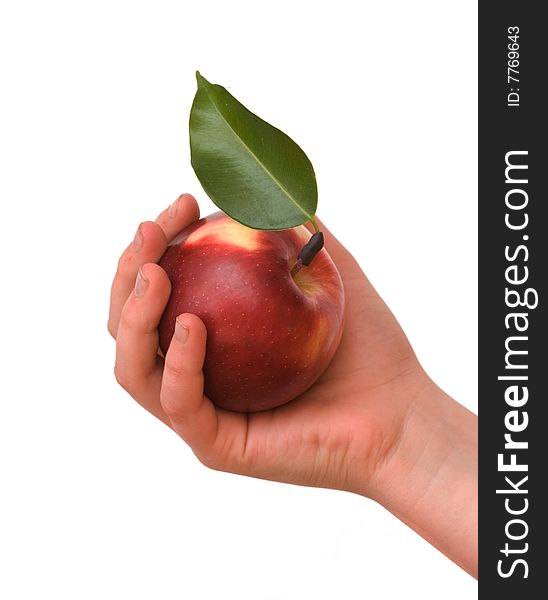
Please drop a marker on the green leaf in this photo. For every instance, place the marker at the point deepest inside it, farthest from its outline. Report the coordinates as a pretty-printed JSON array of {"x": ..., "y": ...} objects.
[{"x": 252, "y": 171}]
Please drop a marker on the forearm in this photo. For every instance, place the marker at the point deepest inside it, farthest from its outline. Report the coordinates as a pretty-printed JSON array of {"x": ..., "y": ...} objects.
[{"x": 430, "y": 479}]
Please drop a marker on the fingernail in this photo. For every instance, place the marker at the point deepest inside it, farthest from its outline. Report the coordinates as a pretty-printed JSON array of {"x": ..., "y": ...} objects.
[
  {"x": 172, "y": 210},
  {"x": 138, "y": 239},
  {"x": 141, "y": 284},
  {"x": 181, "y": 332}
]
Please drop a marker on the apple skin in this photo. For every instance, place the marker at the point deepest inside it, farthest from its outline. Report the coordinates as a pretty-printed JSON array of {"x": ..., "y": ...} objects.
[{"x": 269, "y": 335}]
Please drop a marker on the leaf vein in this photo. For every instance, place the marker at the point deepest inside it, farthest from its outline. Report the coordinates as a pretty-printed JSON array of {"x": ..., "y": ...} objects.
[{"x": 271, "y": 175}]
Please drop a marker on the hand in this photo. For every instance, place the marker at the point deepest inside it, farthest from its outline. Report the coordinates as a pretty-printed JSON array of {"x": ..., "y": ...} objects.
[
  {"x": 355, "y": 412},
  {"x": 348, "y": 431}
]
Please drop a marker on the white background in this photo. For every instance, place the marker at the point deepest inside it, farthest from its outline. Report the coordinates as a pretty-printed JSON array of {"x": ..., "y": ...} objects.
[{"x": 98, "y": 499}]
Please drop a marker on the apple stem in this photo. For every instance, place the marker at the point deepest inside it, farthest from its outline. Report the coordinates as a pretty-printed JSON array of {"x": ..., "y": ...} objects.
[
  {"x": 308, "y": 252},
  {"x": 296, "y": 267},
  {"x": 315, "y": 224}
]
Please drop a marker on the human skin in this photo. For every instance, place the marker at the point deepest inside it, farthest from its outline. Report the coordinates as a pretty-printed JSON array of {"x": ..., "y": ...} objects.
[{"x": 374, "y": 423}]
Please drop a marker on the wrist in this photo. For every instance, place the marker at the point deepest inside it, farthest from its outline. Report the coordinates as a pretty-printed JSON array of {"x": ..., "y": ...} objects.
[{"x": 429, "y": 479}]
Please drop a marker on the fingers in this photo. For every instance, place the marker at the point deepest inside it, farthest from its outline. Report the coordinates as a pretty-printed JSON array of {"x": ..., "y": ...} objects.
[
  {"x": 177, "y": 216},
  {"x": 148, "y": 246},
  {"x": 138, "y": 368},
  {"x": 151, "y": 240},
  {"x": 192, "y": 415}
]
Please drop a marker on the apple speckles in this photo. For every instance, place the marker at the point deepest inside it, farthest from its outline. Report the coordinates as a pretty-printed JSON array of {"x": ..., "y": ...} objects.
[
  {"x": 227, "y": 231},
  {"x": 263, "y": 328}
]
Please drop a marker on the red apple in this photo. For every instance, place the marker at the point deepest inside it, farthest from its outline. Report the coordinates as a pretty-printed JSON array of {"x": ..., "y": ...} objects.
[{"x": 270, "y": 335}]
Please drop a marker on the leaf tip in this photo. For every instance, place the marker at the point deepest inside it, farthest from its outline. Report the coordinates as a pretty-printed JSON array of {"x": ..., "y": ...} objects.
[{"x": 201, "y": 79}]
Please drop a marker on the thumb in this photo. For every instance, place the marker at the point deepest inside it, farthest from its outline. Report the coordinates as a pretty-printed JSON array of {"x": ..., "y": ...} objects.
[{"x": 191, "y": 414}]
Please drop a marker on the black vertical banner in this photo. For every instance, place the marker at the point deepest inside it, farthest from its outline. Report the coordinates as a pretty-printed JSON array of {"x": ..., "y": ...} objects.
[{"x": 513, "y": 271}]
